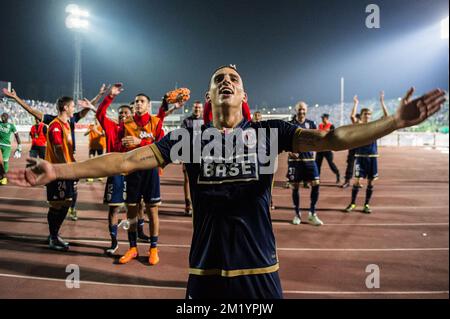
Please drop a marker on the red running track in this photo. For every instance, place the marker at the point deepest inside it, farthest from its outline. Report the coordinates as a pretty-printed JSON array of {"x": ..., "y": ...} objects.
[{"x": 407, "y": 237}]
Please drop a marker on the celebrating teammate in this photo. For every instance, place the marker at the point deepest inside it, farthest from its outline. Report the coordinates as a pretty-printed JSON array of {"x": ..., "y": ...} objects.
[
  {"x": 38, "y": 135},
  {"x": 48, "y": 118},
  {"x": 140, "y": 130},
  {"x": 6, "y": 130},
  {"x": 366, "y": 165},
  {"x": 60, "y": 150},
  {"x": 327, "y": 126},
  {"x": 188, "y": 123},
  {"x": 233, "y": 251},
  {"x": 355, "y": 117},
  {"x": 302, "y": 168},
  {"x": 115, "y": 191}
]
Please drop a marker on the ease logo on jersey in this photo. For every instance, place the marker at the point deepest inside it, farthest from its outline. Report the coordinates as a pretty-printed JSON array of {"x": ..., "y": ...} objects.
[{"x": 243, "y": 168}]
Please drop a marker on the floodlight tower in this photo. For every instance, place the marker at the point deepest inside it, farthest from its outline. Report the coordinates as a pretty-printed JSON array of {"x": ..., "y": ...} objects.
[{"x": 77, "y": 21}]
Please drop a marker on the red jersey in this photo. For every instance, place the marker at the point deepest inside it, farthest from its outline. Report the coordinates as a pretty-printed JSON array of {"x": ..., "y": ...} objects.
[
  {"x": 110, "y": 127},
  {"x": 38, "y": 135},
  {"x": 327, "y": 127}
]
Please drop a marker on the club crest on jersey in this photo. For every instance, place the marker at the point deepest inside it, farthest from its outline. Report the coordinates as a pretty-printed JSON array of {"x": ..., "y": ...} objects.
[
  {"x": 144, "y": 135},
  {"x": 242, "y": 168}
]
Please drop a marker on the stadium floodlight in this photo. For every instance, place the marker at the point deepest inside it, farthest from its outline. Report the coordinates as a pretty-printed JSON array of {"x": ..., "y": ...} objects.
[
  {"x": 76, "y": 11},
  {"x": 444, "y": 29},
  {"x": 77, "y": 21},
  {"x": 77, "y": 17}
]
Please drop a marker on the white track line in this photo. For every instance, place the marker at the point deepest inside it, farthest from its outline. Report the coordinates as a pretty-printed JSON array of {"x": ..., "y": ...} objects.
[
  {"x": 274, "y": 212},
  {"x": 301, "y": 292},
  {"x": 91, "y": 282},
  {"x": 91, "y": 241},
  {"x": 306, "y": 292},
  {"x": 331, "y": 195}
]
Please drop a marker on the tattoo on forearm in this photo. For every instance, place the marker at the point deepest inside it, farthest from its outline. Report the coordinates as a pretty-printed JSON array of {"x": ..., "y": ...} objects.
[{"x": 146, "y": 158}]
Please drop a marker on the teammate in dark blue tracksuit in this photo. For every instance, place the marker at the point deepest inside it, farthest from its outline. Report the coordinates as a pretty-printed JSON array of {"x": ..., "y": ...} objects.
[{"x": 302, "y": 168}]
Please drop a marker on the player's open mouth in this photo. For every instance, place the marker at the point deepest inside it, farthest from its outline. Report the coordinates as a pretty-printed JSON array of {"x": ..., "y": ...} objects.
[{"x": 226, "y": 91}]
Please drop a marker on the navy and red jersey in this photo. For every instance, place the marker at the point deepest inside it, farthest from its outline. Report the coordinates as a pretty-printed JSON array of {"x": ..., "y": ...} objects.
[
  {"x": 231, "y": 195},
  {"x": 190, "y": 120},
  {"x": 207, "y": 112},
  {"x": 309, "y": 125},
  {"x": 38, "y": 135}
]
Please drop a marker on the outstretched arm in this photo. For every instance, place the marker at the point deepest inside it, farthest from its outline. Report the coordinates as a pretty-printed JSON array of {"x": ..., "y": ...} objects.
[
  {"x": 103, "y": 90},
  {"x": 383, "y": 105},
  {"x": 13, "y": 95},
  {"x": 41, "y": 172},
  {"x": 352, "y": 136},
  {"x": 354, "y": 110}
]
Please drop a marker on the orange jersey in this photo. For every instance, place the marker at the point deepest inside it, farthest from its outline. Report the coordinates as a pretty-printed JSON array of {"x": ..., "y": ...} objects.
[
  {"x": 148, "y": 133},
  {"x": 59, "y": 133},
  {"x": 96, "y": 141}
]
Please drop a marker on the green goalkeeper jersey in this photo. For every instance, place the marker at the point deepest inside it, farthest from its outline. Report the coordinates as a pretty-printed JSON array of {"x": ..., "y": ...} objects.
[{"x": 6, "y": 130}]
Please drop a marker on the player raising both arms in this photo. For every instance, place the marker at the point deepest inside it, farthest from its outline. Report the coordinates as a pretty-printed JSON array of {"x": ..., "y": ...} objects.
[
  {"x": 233, "y": 251},
  {"x": 47, "y": 119},
  {"x": 366, "y": 165},
  {"x": 355, "y": 117}
]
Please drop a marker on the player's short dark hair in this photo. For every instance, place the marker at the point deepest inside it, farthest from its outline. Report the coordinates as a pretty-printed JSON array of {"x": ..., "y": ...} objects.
[
  {"x": 229, "y": 66},
  {"x": 365, "y": 110},
  {"x": 198, "y": 102},
  {"x": 144, "y": 95},
  {"x": 125, "y": 106},
  {"x": 63, "y": 101}
]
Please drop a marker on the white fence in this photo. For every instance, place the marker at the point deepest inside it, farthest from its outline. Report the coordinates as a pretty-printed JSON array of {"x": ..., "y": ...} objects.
[{"x": 415, "y": 139}]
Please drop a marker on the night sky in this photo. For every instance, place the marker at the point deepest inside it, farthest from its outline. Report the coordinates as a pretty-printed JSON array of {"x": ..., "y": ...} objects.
[{"x": 284, "y": 50}]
